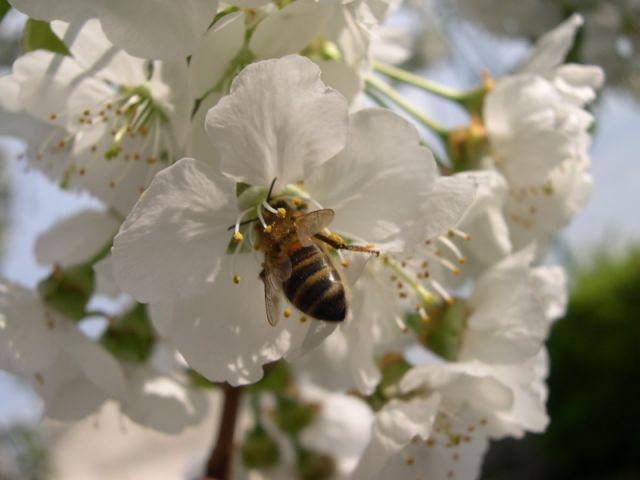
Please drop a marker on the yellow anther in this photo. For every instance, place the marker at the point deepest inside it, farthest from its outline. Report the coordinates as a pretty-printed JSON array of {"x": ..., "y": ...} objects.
[
  {"x": 344, "y": 263},
  {"x": 238, "y": 237},
  {"x": 236, "y": 279},
  {"x": 53, "y": 117},
  {"x": 297, "y": 201},
  {"x": 267, "y": 229},
  {"x": 303, "y": 319},
  {"x": 287, "y": 312},
  {"x": 281, "y": 212}
]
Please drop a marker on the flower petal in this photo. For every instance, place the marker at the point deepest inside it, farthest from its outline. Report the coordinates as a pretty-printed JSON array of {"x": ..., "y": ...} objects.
[
  {"x": 224, "y": 333},
  {"x": 378, "y": 182},
  {"x": 171, "y": 243},
  {"x": 76, "y": 239},
  {"x": 279, "y": 121}
]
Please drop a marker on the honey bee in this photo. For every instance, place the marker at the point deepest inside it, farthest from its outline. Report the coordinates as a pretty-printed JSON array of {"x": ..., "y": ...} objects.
[{"x": 297, "y": 262}]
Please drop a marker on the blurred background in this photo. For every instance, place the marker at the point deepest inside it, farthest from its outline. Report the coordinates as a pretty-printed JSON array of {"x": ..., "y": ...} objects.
[{"x": 595, "y": 352}]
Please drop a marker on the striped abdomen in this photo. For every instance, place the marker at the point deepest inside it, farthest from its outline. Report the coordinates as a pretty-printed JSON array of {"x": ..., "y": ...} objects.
[{"x": 315, "y": 286}]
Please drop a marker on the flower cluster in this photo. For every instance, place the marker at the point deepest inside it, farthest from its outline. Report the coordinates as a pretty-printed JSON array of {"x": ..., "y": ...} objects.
[{"x": 266, "y": 230}]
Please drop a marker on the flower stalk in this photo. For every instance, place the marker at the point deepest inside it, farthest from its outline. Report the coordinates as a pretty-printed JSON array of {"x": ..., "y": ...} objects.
[
  {"x": 378, "y": 86},
  {"x": 219, "y": 463}
]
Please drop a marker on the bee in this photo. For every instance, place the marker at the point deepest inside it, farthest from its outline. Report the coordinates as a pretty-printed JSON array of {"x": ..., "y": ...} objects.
[{"x": 297, "y": 262}]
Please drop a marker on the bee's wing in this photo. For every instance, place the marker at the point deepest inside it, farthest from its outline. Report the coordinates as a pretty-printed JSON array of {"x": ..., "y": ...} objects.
[
  {"x": 314, "y": 222},
  {"x": 277, "y": 270}
]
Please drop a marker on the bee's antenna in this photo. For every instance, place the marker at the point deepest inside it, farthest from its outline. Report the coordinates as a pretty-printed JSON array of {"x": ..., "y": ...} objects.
[{"x": 273, "y": 182}]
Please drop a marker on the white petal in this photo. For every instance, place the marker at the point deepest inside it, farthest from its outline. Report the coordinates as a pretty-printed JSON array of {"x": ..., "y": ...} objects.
[
  {"x": 25, "y": 346},
  {"x": 508, "y": 323},
  {"x": 224, "y": 333},
  {"x": 455, "y": 453},
  {"x": 378, "y": 183},
  {"x": 394, "y": 428},
  {"x": 463, "y": 386},
  {"x": 552, "y": 48},
  {"x": 145, "y": 28},
  {"x": 550, "y": 284},
  {"x": 484, "y": 221},
  {"x": 98, "y": 366},
  {"x": 532, "y": 129},
  {"x": 214, "y": 54},
  {"x": 342, "y": 77},
  {"x": 97, "y": 55},
  {"x": 171, "y": 243},
  {"x": 291, "y": 29},
  {"x": 279, "y": 121},
  {"x": 341, "y": 428},
  {"x": 161, "y": 402},
  {"x": 105, "y": 283},
  {"x": 76, "y": 239},
  {"x": 447, "y": 203}
]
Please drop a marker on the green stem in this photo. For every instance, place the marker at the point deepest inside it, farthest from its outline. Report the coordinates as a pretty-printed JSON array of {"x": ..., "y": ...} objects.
[
  {"x": 422, "y": 83},
  {"x": 381, "y": 87},
  {"x": 472, "y": 100}
]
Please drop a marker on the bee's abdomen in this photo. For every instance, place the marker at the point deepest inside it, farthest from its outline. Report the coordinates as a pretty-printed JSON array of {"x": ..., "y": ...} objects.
[{"x": 315, "y": 286}]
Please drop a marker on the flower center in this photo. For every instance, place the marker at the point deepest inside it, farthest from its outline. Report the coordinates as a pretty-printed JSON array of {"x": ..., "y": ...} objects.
[{"x": 130, "y": 125}]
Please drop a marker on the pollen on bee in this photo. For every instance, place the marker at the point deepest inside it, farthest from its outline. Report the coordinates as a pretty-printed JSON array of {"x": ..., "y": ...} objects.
[
  {"x": 282, "y": 212},
  {"x": 236, "y": 279},
  {"x": 287, "y": 312},
  {"x": 238, "y": 237}
]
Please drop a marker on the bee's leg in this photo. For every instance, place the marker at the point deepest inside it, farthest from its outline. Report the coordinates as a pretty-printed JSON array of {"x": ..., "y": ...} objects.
[{"x": 338, "y": 243}]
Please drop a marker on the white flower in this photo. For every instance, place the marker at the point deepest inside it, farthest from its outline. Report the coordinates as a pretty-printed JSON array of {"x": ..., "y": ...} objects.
[
  {"x": 512, "y": 306},
  {"x": 279, "y": 122},
  {"x": 538, "y": 135},
  {"x": 308, "y": 26},
  {"x": 72, "y": 374},
  {"x": 100, "y": 119},
  {"x": 340, "y": 429},
  {"x": 145, "y": 28},
  {"x": 106, "y": 446},
  {"x": 395, "y": 426}
]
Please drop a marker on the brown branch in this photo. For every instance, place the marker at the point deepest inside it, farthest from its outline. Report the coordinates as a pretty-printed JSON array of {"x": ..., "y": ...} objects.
[{"x": 219, "y": 464}]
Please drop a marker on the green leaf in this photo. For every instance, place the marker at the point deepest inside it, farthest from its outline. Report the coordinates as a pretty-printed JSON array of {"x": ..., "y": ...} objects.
[
  {"x": 314, "y": 465},
  {"x": 259, "y": 450},
  {"x": 293, "y": 416},
  {"x": 130, "y": 338},
  {"x": 4, "y": 8},
  {"x": 275, "y": 380},
  {"x": 68, "y": 291},
  {"x": 37, "y": 34}
]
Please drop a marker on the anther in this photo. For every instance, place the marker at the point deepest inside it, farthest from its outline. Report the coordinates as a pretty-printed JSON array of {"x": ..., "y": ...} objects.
[
  {"x": 267, "y": 228},
  {"x": 53, "y": 117},
  {"x": 236, "y": 279},
  {"x": 287, "y": 312},
  {"x": 238, "y": 237},
  {"x": 282, "y": 213},
  {"x": 297, "y": 201}
]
